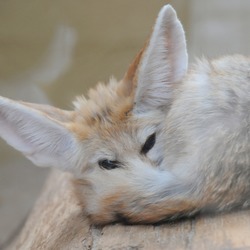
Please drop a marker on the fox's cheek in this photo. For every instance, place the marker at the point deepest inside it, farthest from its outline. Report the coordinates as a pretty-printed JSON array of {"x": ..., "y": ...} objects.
[{"x": 100, "y": 209}]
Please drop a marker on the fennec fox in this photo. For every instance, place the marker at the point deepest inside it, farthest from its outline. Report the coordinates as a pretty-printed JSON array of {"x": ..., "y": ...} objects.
[{"x": 162, "y": 143}]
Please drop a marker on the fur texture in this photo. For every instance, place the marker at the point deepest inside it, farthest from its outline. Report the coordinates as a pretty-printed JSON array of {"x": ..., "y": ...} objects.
[{"x": 200, "y": 119}]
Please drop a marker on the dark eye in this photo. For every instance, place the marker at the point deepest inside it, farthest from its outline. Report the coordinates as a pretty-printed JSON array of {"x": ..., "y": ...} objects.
[
  {"x": 107, "y": 164},
  {"x": 150, "y": 142}
]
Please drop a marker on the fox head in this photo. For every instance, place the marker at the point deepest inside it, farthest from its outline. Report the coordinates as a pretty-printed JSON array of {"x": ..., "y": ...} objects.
[{"x": 113, "y": 141}]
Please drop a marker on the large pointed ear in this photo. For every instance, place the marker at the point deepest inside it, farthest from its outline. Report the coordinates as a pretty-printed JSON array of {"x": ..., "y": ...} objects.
[
  {"x": 163, "y": 64},
  {"x": 40, "y": 133}
]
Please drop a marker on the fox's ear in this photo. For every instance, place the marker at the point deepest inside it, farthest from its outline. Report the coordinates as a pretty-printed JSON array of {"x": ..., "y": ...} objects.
[
  {"x": 129, "y": 80},
  {"x": 163, "y": 64},
  {"x": 40, "y": 133}
]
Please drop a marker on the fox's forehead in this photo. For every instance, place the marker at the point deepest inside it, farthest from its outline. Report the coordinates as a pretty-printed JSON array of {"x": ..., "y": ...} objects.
[{"x": 104, "y": 112}]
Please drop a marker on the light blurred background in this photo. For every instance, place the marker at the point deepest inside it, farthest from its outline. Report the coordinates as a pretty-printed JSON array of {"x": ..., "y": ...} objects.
[{"x": 51, "y": 51}]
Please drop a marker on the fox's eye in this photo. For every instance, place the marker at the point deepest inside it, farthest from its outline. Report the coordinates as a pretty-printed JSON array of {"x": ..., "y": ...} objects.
[
  {"x": 107, "y": 164},
  {"x": 150, "y": 142}
]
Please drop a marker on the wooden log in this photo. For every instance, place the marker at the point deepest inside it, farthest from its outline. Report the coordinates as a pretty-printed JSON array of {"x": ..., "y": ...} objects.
[{"x": 57, "y": 222}]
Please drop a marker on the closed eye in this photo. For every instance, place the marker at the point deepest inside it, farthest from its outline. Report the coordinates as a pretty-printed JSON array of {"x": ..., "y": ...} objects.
[
  {"x": 150, "y": 142},
  {"x": 109, "y": 165}
]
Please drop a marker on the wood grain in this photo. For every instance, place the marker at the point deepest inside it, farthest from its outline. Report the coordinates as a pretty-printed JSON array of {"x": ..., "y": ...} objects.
[{"x": 57, "y": 222}]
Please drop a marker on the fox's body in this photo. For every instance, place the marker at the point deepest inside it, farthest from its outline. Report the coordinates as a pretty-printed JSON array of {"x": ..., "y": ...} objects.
[{"x": 164, "y": 142}]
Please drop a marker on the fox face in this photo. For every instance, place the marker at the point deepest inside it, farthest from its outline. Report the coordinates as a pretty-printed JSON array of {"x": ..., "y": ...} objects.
[
  {"x": 162, "y": 143},
  {"x": 121, "y": 150}
]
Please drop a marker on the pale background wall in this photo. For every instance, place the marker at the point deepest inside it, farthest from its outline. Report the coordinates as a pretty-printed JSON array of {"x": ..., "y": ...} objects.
[{"x": 108, "y": 35}]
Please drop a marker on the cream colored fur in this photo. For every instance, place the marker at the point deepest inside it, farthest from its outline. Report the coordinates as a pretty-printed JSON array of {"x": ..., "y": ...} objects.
[{"x": 199, "y": 160}]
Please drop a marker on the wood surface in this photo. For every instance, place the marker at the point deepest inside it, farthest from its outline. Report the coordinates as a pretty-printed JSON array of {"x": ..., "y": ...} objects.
[{"x": 57, "y": 222}]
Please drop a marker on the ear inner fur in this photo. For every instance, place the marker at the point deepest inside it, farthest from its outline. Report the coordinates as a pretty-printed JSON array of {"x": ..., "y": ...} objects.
[{"x": 163, "y": 65}]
